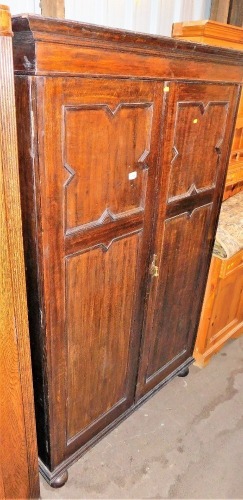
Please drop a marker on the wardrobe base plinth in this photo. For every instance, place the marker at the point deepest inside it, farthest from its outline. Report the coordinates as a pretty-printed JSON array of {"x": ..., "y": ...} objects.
[{"x": 54, "y": 479}]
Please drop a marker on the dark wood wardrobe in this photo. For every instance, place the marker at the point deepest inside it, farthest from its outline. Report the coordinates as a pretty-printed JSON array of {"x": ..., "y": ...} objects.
[{"x": 124, "y": 140}]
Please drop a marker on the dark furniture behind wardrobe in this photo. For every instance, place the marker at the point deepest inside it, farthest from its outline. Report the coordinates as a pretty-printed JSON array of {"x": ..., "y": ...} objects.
[{"x": 123, "y": 144}]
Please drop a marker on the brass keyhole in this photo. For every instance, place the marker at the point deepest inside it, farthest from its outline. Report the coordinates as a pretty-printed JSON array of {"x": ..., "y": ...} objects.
[{"x": 154, "y": 270}]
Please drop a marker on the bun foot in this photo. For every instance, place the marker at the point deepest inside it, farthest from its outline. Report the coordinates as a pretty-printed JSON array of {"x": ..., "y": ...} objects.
[
  {"x": 59, "y": 481},
  {"x": 184, "y": 372}
]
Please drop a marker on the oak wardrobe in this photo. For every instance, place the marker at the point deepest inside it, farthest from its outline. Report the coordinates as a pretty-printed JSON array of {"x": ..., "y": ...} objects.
[{"x": 124, "y": 140}]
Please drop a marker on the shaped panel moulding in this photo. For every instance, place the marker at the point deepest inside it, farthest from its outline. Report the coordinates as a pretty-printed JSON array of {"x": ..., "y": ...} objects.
[
  {"x": 195, "y": 153},
  {"x": 105, "y": 153}
]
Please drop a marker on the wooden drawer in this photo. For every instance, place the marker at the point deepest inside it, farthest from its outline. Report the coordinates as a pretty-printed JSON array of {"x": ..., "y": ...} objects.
[
  {"x": 230, "y": 265},
  {"x": 235, "y": 173},
  {"x": 222, "y": 313}
]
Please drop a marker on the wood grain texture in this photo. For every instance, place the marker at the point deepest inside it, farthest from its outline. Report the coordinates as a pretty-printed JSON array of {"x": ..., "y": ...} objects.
[
  {"x": 43, "y": 46},
  {"x": 98, "y": 341},
  {"x": 222, "y": 313},
  {"x": 5, "y": 21},
  {"x": 28, "y": 162},
  {"x": 18, "y": 452},
  {"x": 174, "y": 311},
  {"x": 125, "y": 131},
  {"x": 209, "y": 32},
  {"x": 113, "y": 172},
  {"x": 55, "y": 248},
  {"x": 197, "y": 171},
  {"x": 172, "y": 316},
  {"x": 222, "y": 35}
]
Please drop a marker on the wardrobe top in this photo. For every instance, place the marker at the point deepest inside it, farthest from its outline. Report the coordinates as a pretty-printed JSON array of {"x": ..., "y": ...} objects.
[{"x": 36, "y": 31}]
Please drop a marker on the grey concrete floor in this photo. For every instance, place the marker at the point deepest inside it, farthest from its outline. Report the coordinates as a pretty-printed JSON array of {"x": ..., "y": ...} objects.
[{"x": 185, "y": 442}]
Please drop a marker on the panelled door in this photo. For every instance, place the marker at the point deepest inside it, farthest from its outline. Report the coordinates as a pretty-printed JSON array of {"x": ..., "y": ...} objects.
[
  {"x": 195, "y": 146},
  {"x": 99, "y": 154}
]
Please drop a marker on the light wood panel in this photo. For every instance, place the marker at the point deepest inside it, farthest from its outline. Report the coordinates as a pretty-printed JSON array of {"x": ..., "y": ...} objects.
[
  {"x": 222, "y": 313},
  {"x": 18, "y": 453}
]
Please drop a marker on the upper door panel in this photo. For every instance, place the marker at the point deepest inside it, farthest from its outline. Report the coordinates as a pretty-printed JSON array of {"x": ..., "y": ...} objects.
[
  {"x": 200, "y": 120},
  {"x": 105, "y": 153}
]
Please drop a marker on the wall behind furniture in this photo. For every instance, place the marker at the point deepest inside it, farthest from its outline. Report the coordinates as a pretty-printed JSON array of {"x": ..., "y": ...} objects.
[
  {"x": 150, "y": 16},
  {"x": 23, "y": 6}
]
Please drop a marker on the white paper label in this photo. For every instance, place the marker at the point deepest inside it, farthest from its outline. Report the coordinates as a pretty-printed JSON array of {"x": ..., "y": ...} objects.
[{"x": 132, "y": 175}]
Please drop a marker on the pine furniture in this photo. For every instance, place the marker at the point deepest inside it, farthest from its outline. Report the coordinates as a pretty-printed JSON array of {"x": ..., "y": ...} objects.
[
  {"x": 124, "y": 141},
  {"x": 222, "y": 312},
  {"x": 18, "y": 448}
]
